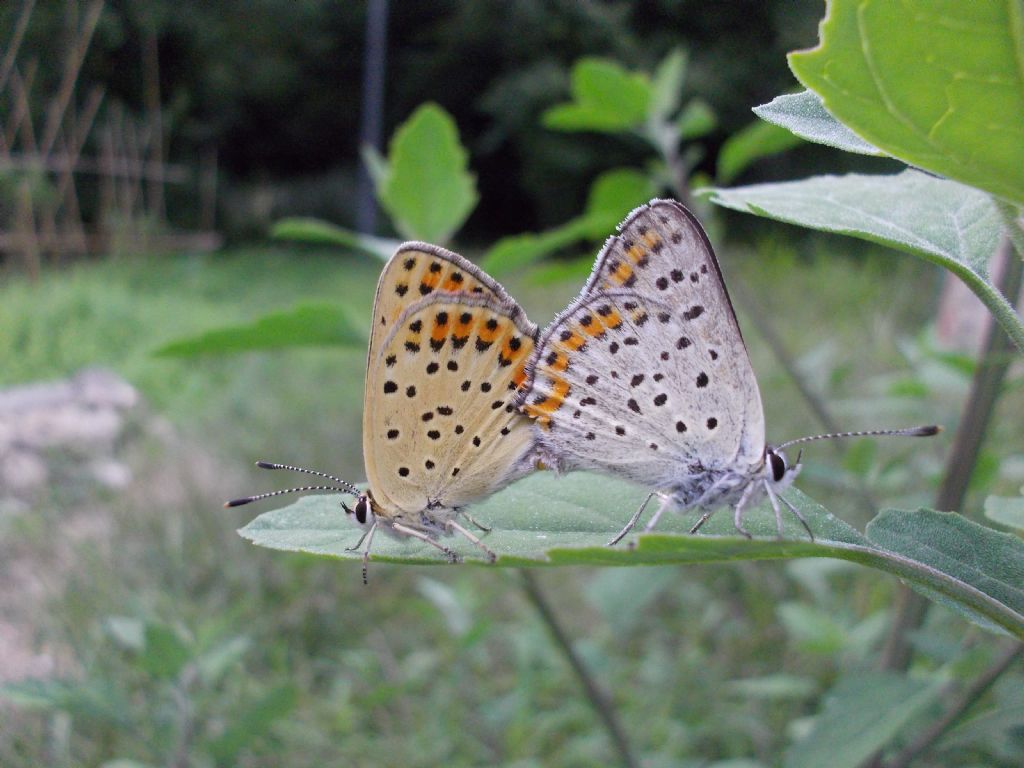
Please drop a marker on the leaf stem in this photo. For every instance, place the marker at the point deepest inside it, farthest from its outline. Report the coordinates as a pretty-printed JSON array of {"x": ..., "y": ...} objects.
[
  {"x": 598, "y": 697},
  {"x": 1013, "y": 220},
  {"x": 981, "y": 401},
  {"x": 954, "y": 712}
]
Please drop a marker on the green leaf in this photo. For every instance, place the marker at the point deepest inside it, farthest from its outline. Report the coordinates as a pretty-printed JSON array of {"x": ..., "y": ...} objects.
[
  {"x": 612, "y": 196},
  {"x": 216, "y": 661},
  {"x": 428, "y": 190},
  {"x": 937, "y": 85},
  {"x": 779, "y": 687},
  {"x": 863, "y": 713},
  {"x": 697, "y": 119},
  {"x": 306, "y": 230},
  {"x": 376, "y": 165},
  {"x": 89, "y": 700},
  {"x": 511, "y": 254},
  {"x": 253, "y": 722},
  {"x": 813, "y": 629},
  {"x": 805, "y": 115},
  {"x": 986, "y": 561},
  {"x": 757, "y": 140},
  {"x": 1008, "y": 511},
  {"x": 127, "y": 632},
  {"x": 165, "y": 653},
  {"x": 606, "y": 98},
  {"x": 548, "y": 520},
  {"x": 307, "y": 325},
  {"x": 667, "y": 84},
  {"x": 949, "y": 224}
]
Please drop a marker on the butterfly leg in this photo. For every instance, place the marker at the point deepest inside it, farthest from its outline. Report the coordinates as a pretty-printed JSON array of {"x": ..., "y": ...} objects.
[
  {"x": 368, "y": 536},
  {"x": 703, "y": 519},
  {"x": 451, "y": 525},
  {"x": 737, "y": 517},
  {"x": 478, "y": 524},
  {"x": 665, "y": 501},
  {"x": 632, "y": 521},
  {"x": 799, "y": 517},
  {"x": 452, "y": 556},
  {"x": 775, "y": 506}
]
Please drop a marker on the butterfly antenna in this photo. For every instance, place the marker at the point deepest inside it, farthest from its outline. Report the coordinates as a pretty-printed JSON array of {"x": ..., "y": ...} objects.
[
  {"x": 347, "y": 485},
  {"x": 926, "y": 431},
  {"x": 258, "y": 497}
]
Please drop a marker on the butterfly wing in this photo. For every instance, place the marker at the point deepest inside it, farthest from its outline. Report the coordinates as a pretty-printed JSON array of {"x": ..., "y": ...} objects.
[
  {"x": 646, "y": 375},
  {"x": 439, "y": 426}
]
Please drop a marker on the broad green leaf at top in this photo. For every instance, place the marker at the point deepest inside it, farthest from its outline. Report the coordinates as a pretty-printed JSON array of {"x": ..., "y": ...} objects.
[
  {"x": 428, "y": 190},
  {"x": 950, "y": 224},
  {"x": 606, "y": 98},
  {"x": 548, "y": 520},
  {"x": 939, "y": 85}
]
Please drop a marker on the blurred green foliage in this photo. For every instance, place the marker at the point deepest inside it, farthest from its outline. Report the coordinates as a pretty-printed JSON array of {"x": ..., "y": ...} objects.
[{"x": 186, "y": 647}]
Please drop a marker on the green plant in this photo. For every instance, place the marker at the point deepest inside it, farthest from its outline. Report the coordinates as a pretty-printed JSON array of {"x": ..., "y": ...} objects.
[{"x": 966, "y": 566}]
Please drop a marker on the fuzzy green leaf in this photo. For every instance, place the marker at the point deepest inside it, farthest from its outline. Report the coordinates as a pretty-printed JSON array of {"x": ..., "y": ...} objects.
[
  {"x": 606, "y": 98},
  {"x": 805, "y": 115},
  {"x": 990, "y": 562},
  {"x": 937, "y": 85},
  {"x": 548, "y": 520},
  {"x": 949, "y": 224},
  {"x": 428, "y": 190},
  {"x": 307, "y": 325}
]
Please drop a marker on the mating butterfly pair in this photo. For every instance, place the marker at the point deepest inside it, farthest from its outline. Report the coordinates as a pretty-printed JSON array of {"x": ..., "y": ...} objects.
[{"x": 645, "y": 375}]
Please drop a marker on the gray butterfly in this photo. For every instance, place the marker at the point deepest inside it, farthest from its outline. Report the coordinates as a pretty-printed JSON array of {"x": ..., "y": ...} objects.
[{"x": 646, "y": 376}]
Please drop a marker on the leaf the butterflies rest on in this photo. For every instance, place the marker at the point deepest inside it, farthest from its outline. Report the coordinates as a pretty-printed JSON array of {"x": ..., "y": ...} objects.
[
  {"x": 428, "y": 190},
  {"x": 307, "y": 325},
  {"x": 945, "y": 93},
  {"x": 949, "y": 224},
  {"x": 547, "y": 520},
  {"x": 805, "y": 115}
]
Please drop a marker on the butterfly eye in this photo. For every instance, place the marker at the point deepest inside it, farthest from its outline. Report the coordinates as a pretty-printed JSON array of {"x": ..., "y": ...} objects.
[
  {"x": 360, "y": 509},
  {"x": 778, "y": 466}
]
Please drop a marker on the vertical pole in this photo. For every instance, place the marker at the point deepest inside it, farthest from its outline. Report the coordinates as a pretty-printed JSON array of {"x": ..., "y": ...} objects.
[{"x": 374, "y": 59}]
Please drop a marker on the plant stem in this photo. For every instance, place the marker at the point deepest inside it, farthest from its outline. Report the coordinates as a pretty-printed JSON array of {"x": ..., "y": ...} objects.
[
  {"x": 599, "y": 698},
  {"x": 981, "y": 401},
  {"x": 953, "y": 713}
]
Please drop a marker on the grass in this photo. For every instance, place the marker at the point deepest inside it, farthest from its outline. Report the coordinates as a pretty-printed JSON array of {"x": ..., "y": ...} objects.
[{"x": 185, "y": 646}]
